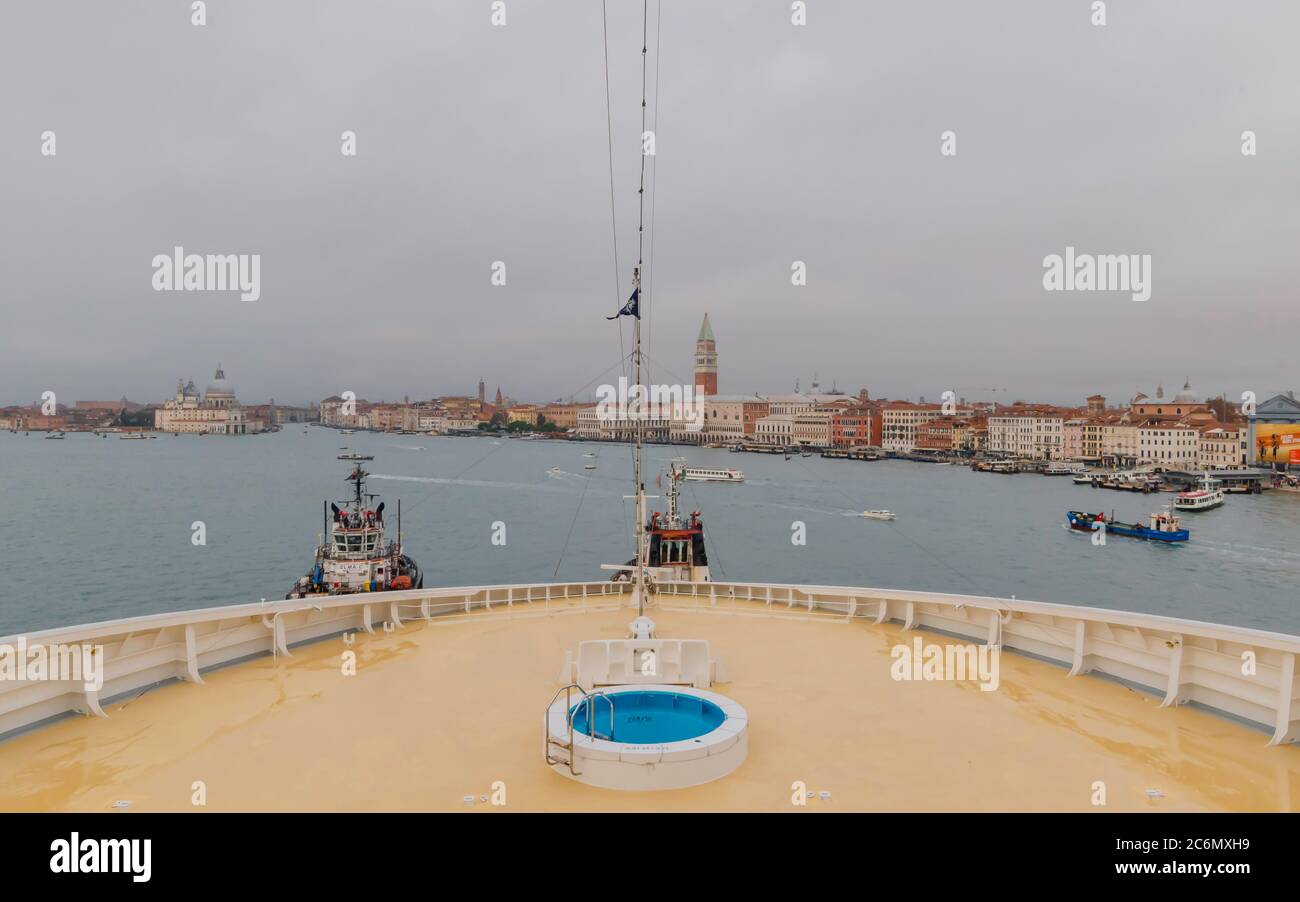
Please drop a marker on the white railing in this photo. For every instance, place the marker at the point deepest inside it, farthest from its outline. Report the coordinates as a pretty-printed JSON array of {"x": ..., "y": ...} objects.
[
  {"x": 138, "y": 652},
  {"x": 1246, "y": 673}
]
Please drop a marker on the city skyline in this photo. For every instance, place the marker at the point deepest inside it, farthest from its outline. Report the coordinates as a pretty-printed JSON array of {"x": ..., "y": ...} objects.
[{"x": 776, "y": 145}]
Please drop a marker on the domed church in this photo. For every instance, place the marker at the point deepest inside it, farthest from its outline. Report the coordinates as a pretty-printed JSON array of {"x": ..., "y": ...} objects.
[{"x": 217, "y": 412}]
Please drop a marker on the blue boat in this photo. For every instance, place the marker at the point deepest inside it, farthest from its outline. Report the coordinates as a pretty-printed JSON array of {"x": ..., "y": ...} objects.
[{"x": 1162, "y": 526}]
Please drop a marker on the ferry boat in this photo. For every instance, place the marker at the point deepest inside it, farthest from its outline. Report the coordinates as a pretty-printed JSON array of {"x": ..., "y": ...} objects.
[
  {"x": 1207, "y": 497},
  {"x": 1062, "y": 469},
  {"x": 707, "y": 474},
  {"x": 1162, "y": 526},
  {"x": 354, "y": 556}
]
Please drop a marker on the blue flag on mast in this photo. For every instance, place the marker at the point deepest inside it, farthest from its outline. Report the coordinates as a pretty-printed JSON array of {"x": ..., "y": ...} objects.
[{"x": 632, "y": 307}]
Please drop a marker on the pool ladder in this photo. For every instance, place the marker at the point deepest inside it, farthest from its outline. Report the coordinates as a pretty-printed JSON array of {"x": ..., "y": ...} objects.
[{"x": 566, "y": 746}]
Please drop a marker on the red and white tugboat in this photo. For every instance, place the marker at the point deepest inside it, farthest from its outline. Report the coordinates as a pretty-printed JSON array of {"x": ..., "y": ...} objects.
[
  {"x": 674, "y": 543},
  {"x": 354, "y": 557},
  {"x": 676, "y": 550}
]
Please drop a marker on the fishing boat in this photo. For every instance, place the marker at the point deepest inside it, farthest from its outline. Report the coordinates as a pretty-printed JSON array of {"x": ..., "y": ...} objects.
[
  {"x": 1207, "y": 497},
  {"x": 708, "y": 474},
  {"x": 1162, "y": 526},
  {"x": 878, "y": 515},
  {"x": 354, "y": 556}
]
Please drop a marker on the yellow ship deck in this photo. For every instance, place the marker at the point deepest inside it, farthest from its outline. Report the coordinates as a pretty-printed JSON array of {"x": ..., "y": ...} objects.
[{"x": 443, "y": 709}]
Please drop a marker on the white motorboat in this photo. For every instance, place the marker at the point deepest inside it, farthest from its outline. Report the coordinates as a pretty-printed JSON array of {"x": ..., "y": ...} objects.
[{"x": 878, "y": 515}]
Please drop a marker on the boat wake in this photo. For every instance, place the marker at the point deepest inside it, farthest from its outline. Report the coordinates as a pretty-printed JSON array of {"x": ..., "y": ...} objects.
[{"x": 444, "y": 480}]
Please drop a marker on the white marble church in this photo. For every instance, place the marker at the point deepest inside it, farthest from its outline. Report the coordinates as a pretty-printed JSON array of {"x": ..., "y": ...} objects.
[{"x": 217, "y": 412}]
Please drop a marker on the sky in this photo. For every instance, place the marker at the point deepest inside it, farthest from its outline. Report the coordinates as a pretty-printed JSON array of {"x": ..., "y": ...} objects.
[{"x": 775, "y": 143}]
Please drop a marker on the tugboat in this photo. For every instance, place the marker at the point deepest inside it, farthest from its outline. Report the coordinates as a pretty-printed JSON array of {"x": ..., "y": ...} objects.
[
  {"x": 1162, "y": 526},
  {"x": 675, "y": 548},
  {"x": 354, "y": 557}
]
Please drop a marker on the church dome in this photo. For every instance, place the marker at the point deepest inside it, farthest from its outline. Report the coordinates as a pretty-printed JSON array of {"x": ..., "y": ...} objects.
[
  {"x": 219, "y": 386},
  {"x": 1187, "y": 396}
]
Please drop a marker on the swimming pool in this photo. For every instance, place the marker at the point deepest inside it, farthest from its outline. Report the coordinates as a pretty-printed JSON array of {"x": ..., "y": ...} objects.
[
  {"x": 641, "y": 717},
  {"x": 664, "y": 737}
]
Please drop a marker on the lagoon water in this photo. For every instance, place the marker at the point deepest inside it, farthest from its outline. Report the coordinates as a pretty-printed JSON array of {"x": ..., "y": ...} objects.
[{"x": 99, "y": 528}]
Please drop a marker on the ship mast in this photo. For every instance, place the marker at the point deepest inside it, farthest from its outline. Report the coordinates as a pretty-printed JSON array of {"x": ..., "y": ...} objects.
[{"x": 640, "y": 392}]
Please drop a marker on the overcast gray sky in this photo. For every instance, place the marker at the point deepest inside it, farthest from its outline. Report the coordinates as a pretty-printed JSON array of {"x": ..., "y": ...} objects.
[{"x": 775, "y": 143}]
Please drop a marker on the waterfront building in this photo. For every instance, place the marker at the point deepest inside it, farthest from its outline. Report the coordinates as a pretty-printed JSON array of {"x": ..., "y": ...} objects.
[
  {"x": 1274, "y": 431},
  {"x": 972, "y": 435},
  {"x": 564, "y": 416},
  {"x": 385, "y": 417},
  {"x": 856, "y": 425},
  {"x": 1119, "y": 443},
  {"x": 460, "y": 420},
  {"x": 1170, "y": 446},
  {"x": 775, "y": 429},
  {"x": 1072, "y": 438},
  {"x": 216, "y": 412},
  {"x": 1224, "y": 447},
  {"x": 357, "y": 415},
  {"x": 726, "y": 419},
  {"x": 900, "y": 419},
  {"x": 588, "y": 423},
  {"x": 936, "y": 434},
  {"x": 1094, "y": 426},
  {"x": 523, "y": 413},
  {"x": 812, "y": 427},
  {"x": 1033, "y": 432}
]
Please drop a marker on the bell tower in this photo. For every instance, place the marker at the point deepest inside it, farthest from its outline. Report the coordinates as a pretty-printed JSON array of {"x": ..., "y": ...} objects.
[{"x": 706, "y": 359}]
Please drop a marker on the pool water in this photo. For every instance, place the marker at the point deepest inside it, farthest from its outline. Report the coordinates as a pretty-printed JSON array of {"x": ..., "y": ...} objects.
[{"x": 641, "y": 718}]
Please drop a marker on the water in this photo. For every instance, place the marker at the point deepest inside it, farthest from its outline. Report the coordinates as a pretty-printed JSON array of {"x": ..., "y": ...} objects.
[
  {"x": 100, "y": 528},
  {"x": 648, "y": 717}
]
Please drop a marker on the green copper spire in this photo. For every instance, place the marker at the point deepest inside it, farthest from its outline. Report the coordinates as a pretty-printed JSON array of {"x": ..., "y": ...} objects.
[{"x": 706, "y": 331}]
